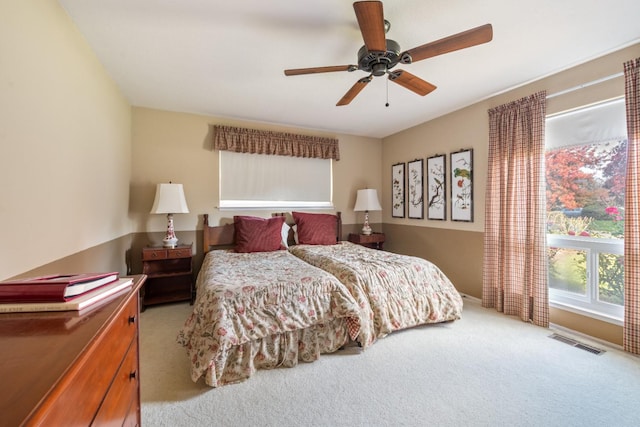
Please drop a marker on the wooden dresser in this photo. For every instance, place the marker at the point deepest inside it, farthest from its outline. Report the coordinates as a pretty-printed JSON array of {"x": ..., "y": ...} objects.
[{"x": 70, "y": 368}]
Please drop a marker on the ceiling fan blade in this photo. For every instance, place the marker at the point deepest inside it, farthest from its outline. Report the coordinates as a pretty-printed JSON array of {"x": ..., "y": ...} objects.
[
  {"x": 354, "y": 91},
  {"x": 371, "y": 22},
  {"x": 313, "y": 70},
  {"x": 472, "y": 37},
  {"x": 411, "y": 82}
]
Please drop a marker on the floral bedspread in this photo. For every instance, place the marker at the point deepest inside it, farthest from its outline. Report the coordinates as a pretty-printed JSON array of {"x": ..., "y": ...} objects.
[
  {"x": 263, "y": 310},
  {"x": 393, "y": 291}
]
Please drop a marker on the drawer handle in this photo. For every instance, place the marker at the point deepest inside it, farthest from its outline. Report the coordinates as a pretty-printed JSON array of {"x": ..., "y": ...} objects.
[
  {"x": 132, "y": 375},
  {"x": 132, "y": 319}
]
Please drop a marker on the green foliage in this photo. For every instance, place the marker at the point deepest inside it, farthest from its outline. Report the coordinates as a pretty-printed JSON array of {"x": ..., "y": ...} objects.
[
  {"x": 567, "y": 270},
  {"x": 608, "y": 229},
  {"x": 611, "y": 272},
  {"x": 596, "y": 211}
]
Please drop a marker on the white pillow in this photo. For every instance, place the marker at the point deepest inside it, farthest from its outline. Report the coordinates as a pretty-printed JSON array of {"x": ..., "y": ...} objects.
[{"x": 285, "y": 234}]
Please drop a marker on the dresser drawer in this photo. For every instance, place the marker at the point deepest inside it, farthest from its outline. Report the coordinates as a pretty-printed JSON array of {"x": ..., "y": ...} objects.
[
  {"x": 179, "y": 253},
  {"x": 83, "y": 390},
  {"x": 151, "y": 254},
  {"x": 122, "y": 397}
]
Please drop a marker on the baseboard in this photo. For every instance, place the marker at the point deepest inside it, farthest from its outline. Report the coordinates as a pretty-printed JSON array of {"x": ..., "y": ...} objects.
[{"x": 470, "y": 298}]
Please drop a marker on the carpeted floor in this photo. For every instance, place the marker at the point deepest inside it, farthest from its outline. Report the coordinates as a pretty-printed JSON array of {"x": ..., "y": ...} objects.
[{"x": 486, "y": 369}]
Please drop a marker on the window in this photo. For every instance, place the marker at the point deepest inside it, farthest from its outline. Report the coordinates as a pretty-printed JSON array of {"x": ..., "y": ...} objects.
[
  {"x": 585, "y": 176},
  {"x": 267, "y": 181}
]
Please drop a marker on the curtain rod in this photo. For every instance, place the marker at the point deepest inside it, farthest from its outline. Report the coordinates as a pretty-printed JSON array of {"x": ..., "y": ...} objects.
[{"x": 582, "y": 86}]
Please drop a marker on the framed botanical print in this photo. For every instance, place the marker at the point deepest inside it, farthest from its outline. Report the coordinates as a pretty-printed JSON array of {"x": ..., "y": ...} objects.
[
  {"x": 397, "y": 190},
  {"x": 415, "y": 193},
  {"x": 437, "y": 187},
  {"x": 462, "y": 185}
]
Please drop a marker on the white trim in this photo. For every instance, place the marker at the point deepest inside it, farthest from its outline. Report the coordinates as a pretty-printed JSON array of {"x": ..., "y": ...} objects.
[
  {"x": 470, "y": 298},
  {"x": 587, "y": 313},
  {"x": 582, "y": 86}
]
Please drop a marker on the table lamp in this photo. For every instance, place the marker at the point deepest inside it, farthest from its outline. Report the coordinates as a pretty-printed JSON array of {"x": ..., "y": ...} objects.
[
  {"x": 169, "y": 200},
  {"x": 367, "y": 200}
]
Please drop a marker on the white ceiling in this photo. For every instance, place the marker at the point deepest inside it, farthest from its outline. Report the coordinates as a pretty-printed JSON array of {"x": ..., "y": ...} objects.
[{"x": 226, "y": 58}]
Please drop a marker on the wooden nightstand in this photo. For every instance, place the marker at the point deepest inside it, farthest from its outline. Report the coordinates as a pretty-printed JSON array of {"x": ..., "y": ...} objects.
[
  {"x": 169, "y": 275},
  {"x": 373, "y": 240}
]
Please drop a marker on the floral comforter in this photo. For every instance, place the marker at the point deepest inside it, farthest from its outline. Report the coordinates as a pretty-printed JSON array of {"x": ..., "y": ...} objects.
[
  {"x": 393, "y": 291},
  {"x": 263, "y": 310}
]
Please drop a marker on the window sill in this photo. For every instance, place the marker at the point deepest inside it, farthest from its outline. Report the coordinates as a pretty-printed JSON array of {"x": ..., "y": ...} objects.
[{"x": 588, "y": 313}]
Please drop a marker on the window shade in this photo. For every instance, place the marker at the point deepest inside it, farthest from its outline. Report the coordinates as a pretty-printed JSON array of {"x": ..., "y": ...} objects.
[
  {"x": 259, "y": 181},
  {"x": 598, "y": 123}
]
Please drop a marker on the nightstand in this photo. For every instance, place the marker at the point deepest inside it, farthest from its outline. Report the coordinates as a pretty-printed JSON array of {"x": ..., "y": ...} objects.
[
  {"x": 373, "y": 240},
  {"x": 169, "y": 275}
]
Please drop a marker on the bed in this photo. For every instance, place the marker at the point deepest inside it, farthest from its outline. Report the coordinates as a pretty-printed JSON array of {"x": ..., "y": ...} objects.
[
  {"x": 259, "y": 307},
  {"x": 393, "y": 291}
]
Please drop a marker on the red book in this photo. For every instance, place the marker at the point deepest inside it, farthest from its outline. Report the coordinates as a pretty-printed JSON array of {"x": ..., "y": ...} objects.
[{"x": 57, "y": 287}]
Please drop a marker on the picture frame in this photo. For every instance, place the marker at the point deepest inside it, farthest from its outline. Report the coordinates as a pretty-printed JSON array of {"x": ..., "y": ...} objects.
[
  {"x": 397, "y": 190},
  {"x": 461, "y": 164},
  {"x": 437, "y": 187},
  {"x": 415, "y": 189}
]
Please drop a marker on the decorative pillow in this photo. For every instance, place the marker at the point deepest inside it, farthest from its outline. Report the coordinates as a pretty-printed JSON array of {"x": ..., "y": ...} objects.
[
  {"x": 255, "y": 234},
  {"x": 316, "y": 229},
  {"x": 284, "y": 232}
]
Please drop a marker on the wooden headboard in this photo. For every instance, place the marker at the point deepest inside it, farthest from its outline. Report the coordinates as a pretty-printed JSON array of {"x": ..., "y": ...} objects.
[{"x": 224, "y": 235}]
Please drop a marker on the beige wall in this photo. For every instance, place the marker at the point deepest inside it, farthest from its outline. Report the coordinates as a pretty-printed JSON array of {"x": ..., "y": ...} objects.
[
  {"x": 458, "y": 253},
  {"x": 176, "y": 147},
  {"x": 65, "y": 138}
]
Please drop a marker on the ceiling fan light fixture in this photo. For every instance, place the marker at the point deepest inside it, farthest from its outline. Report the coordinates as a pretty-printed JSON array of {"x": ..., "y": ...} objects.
[
  {"x": 379, "y": 69},
  {"x": 372, "y": 61}
]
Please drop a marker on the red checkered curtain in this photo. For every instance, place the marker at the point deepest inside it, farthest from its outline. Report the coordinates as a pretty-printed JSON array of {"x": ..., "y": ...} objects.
[
  {"x": 514, "y": 278},
  {"x": 631, "y": 330}
]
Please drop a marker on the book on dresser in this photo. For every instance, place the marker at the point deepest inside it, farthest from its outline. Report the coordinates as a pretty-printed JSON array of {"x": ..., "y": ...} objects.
[
  {"x": 53, "y": 288},
  {"x": 82, "y": 302}
]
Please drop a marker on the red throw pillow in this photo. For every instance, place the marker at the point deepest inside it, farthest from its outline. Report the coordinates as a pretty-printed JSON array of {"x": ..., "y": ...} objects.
[
  {"x": 316, "y": 229},
  {"x": 255, "y": 234}
]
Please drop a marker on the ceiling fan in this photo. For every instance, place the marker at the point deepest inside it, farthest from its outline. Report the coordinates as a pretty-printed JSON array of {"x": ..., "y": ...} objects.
[{"x": 379, "y": 54}]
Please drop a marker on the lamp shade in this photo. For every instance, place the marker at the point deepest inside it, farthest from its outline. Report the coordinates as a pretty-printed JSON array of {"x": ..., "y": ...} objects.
[
  {"x": 367, "y": 200},
  {"x": 169, "y": 199}
]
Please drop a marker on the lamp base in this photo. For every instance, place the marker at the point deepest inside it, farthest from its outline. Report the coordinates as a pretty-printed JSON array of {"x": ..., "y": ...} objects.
[
  {"x": 366, "y": 229},
  {"x": 170, "y": 240}
]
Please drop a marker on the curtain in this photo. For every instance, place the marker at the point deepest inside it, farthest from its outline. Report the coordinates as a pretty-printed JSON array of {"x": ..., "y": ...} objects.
[
  {"x": 514, "y": 278},
  {"x": 242, "y": 140},
  {"x": 631, "y": 329}
]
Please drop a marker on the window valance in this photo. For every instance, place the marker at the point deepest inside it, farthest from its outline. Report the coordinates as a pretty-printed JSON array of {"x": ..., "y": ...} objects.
[{"x": 242, "y": 140}]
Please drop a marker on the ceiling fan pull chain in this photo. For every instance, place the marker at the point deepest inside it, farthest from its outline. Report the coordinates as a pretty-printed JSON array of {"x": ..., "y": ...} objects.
[{"x": 387, "y": 104}]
